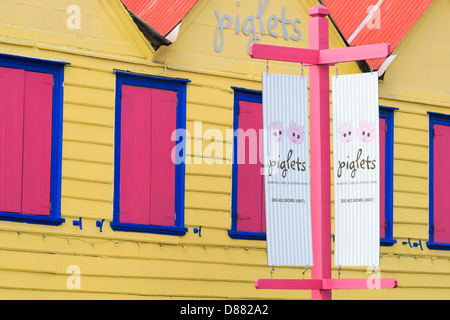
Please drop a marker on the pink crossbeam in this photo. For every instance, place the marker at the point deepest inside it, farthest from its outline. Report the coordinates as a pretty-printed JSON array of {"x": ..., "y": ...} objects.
[
  {"x": 320, "y": 57},
  {"x": 326, "y": 284},
  {"x": 267, "y": 52}
]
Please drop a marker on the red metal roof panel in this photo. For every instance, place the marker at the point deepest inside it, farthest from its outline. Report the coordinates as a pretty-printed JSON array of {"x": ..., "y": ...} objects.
[{"x": 162, "y": 15}]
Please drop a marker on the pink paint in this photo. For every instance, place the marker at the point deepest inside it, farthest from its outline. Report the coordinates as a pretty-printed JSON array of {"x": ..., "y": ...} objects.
[
  {"x": 135, "y": 155},
  {"x": 12, "y": 83},
  {"x": 37, "y": 143},
  {"x": 25, "y": 141},
  {"x": 319, "y": 56},
  {"x": 366, "y": 132},
  {"x": 276, "y": 131},
  {"x": 369, "y": 283},
  {"x": 250, "y": 202},
  {"x": 320, "y": 153},
  {"x": 326, "y": 284},
  {"x": 289, "y": 284},
  {"x": 296, "y": 133},
  {"x": 323, "y": 57},
  {"x": 333, "y": 56},
  {"x": 164, "y": 121},
  {"x": 441, "y": 184},
  {"x": 267, "y": 52},
  {"x": 147, "y": 185},
  {"x": 346, "y": 132}
]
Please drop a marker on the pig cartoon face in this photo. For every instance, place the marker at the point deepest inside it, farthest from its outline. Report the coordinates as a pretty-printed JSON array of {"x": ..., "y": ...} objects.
[
  {"x": 346, "y": 132},
  {"x": 296, "y": 133},
  {"x": 366, "y": 132},
  {"x": 276, "y": 131}
]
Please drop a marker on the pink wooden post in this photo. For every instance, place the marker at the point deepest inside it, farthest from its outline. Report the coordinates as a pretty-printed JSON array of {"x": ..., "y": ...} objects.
[
  {"x": 320, "y": 153},
  {"x": 320, "y": 57}
]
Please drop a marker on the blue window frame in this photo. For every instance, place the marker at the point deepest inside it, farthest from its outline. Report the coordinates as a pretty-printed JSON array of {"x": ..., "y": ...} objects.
[
  {"x": 387, "y": 113},
  {"x": 240, "y": 94},
  {"x": 178, "y": 85},
  {"x": 441, "y": 120},
  {"x": 56, "y": 69}
]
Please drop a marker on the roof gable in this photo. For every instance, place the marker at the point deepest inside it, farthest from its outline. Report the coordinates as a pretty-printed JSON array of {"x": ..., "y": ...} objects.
[
  {"x": 216, "y": 34},
  {"x": 163, "y": 16},
  {"x": 421, "y": 70},
  {"x": 100, "y": 27}
]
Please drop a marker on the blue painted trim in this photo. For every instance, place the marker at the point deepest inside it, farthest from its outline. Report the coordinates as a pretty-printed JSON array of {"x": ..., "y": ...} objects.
[
  {"x": 55, "y": 68},
  {"x": 383, "y": 108},
  {"x": 31, "y": 219},
  {"x": 117, "y": 150},
  {"x": 240, "y": 235},
  {"x": 240, "y": 94},
  {"x": 178, "y": 85},
  {"x": 146, "y": 77},
  {"x": 29, "y": 64},
  {"x": 143, "y": 228},
  {"x": 438, "y": 246},
  {"x": 387, "y": 242},
  {"x": 439, "y": 119},
  {"x": 387, "y": 113}
]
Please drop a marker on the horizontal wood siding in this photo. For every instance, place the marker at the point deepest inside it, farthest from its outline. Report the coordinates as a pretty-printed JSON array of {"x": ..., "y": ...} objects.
[{"x": 34, "y": 259}]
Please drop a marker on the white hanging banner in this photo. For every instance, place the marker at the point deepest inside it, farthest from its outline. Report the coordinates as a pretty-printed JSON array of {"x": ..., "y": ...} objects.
[
  {"x": 356, "y": 163},
  {"x": 287, "y": 170}
]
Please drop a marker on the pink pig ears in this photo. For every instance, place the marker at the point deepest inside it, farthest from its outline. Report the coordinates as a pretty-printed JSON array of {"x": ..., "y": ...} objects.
[
  {"x": 366, "y": 132},
  {"x": 276, "y": 125},
  {"x": 276, "y": 131},
  {"x": 346, "y": 132},
  {"x": 296, "y": 133}
]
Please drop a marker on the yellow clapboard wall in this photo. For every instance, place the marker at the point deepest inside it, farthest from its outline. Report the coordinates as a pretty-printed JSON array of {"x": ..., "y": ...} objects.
[{"x": 38, "y": 262}]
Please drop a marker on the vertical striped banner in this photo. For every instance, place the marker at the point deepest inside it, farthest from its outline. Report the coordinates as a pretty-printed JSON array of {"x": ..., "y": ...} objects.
[
  {"x": 287, "y": 170},
  {"x": 356, "y": 164}
]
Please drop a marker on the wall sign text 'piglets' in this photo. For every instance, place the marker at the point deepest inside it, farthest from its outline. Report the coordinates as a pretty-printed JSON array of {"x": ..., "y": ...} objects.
[{"x": 289, "y": 27}]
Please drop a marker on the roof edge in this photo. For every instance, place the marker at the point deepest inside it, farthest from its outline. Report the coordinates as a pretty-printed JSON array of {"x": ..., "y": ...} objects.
[{"x": 149, "y": 32}]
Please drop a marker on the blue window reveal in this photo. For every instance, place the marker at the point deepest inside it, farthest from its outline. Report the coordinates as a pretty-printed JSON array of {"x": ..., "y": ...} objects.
[
  {"x": 387, "y": 114},
  {"x": 439, "y": 186},
  {"x": 54, "y": 70},
  {"x": 246, "y": 225}
]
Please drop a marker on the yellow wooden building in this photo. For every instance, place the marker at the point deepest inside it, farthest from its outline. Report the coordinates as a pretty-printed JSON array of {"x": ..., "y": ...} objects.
[{"x": 83, "y": 252}]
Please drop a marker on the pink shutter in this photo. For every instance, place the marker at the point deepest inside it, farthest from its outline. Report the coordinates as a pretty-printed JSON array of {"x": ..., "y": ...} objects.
[
  {"x": 12, "y": 83},
  {"x": 441, "y": 184},
  {"x": 37, "y": 143},
  {"x": 135, "y": 155},
  {"x": 164, "y": 122},
  {"x": 250, "y": 192},
  {"x": 382, "y": 178}
]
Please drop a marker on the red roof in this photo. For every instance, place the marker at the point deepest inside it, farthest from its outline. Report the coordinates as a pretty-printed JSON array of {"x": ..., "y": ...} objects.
[
  {"x": 162, "y": 15},
  {"x": 390, "y": 23}
]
